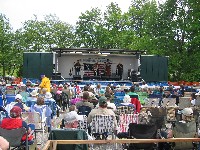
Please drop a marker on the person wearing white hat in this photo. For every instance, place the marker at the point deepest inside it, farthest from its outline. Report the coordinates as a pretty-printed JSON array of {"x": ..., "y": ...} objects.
[
  {"x": 32, "y": 98},
  {"x": 48, "y": 97},
  {"x": 71, "y": 120},
  {"x": 126, "y": 101},
  {"x": 17, "y": 102},
  {"x": 187, "y": 115},
  {"x": 33, "y": 95}
]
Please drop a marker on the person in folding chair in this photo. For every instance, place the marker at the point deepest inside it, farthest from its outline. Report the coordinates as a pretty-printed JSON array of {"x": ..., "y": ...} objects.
[
  {"x": 16, "y": 122},
  {"x": 71, "y": 121},
  {"x": 18, "y": 102},
  {"x": 102, "y": 110},
  {"x": 186, "y": 128},
  {"x": 44, "y": 110},
  {"x": 109, "y": 104},
  {"x": 84, "y": 106}
]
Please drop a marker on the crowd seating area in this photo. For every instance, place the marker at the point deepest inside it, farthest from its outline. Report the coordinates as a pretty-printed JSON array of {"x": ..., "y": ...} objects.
[{"x": 161, "y": 103}]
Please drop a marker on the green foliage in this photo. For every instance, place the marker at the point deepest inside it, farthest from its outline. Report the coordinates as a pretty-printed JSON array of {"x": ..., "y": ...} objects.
[
  {"x": 7, "y": 49},
  {"x": 40, "y": 36}
]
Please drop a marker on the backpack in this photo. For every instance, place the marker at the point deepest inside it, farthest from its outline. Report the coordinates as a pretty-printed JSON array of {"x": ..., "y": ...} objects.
[{"x": 58, "y": 97}]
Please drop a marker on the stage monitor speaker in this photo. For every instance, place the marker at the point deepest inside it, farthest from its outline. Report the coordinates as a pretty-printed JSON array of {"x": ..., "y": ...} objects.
[
  {"x": 77, "y": 77},
  {"x": 115, "y": 78},
  {"x": 134, "y": 78},
  {"x": 105, "y": 77},
  {"x": 56, "y": 76},
  {"x": 96, "y": 77}
]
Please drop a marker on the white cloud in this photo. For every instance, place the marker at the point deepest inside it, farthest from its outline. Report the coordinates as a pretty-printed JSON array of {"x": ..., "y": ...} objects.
[{"x": 67, "y": 10}]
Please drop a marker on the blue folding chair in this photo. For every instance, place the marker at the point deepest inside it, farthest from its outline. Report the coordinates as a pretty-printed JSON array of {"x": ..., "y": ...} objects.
[
  {"x": 30, "y": 103},
  {"x": 10, "y": 98},
  {"x": 1, "y": 100}
]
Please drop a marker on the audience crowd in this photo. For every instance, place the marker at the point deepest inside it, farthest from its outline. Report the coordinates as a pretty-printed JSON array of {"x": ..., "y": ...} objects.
[{"x": 76, "y": 103}]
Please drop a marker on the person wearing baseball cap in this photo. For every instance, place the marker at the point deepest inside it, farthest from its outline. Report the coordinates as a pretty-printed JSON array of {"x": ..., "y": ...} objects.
[
  {"x": 109, "y": 104},
  {"x": 15, "y": 121}
]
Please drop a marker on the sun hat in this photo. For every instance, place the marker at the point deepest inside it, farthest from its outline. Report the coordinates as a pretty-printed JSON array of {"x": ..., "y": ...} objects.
[
  {"x": 48, "y": 95},
  {"x": 18, "y": 96},
  {"x": 34, "y": 93},
  {"x": 15, "y": 112},
  {"x": 187, "y": 112},
  {"x": 127, "y": 99},
  {"x": 102, "y": 100}
]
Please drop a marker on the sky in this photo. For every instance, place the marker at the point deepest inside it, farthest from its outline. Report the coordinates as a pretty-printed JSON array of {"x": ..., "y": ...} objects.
[{"x": 18, "y": 11}]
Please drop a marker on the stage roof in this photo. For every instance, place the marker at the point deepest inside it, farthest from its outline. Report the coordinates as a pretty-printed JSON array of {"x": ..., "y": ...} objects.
[{"x": 97, "y": 51}]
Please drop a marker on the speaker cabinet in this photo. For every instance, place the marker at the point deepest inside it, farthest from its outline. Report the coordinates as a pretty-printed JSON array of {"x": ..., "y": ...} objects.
[{"x": 77, "y": 77}]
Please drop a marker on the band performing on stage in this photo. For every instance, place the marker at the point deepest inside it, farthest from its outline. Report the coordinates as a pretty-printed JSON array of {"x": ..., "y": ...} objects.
[{"x": 98, "y": 69}]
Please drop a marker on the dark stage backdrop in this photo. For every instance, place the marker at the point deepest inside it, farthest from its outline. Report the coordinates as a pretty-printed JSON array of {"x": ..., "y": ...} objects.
[
  {"x": 154, "y": 68},
  {"x": 35, "y": 64}
]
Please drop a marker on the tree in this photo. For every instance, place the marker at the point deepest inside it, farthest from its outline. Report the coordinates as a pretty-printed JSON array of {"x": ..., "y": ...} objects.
[
  {"x": 179, "y": 33},
  {"x": 40, "y": 36},
  {"x": 7, "y": 49},
  {"x": 89, "y": 30}
]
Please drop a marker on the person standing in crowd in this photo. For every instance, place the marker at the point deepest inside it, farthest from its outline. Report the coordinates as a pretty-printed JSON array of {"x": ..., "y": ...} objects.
[
  {"x": 119, "y": 70},
  {"x": 77, "y": 67},
  {"x": 43, "y": 92},
  {"x": 135, "y": 99},
  {"x": 45, "y": 83},
  {"x": 132, "y": 92}
]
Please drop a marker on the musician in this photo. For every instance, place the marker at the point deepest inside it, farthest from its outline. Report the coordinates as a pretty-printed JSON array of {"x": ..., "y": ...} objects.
[
  {"x": 77, "y": 67},
  {"x": 107, "y": 68},
  {"x": 96, "y": 69},
  {"x": 119, "y": 70}
]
